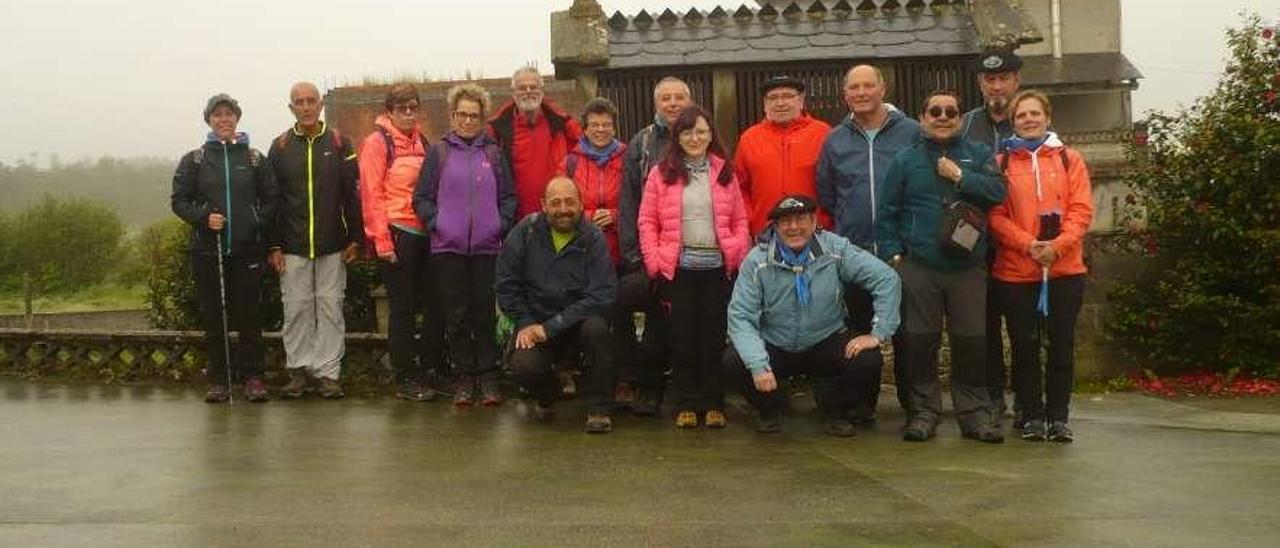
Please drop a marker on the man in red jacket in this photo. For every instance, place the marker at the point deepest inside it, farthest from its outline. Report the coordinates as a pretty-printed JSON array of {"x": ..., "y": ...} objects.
[
  {"x": 535, "y": 136},
  {"x": 777, "y": 156}
]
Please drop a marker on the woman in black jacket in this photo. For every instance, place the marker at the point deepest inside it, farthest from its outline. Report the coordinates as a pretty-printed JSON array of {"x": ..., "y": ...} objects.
[{"x": 225, "y": 190}]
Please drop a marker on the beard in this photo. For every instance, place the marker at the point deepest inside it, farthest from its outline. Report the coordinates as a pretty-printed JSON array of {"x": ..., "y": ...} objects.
[
  {"x": 528, "y": 105},
  {"x": 998, "y": 104}
]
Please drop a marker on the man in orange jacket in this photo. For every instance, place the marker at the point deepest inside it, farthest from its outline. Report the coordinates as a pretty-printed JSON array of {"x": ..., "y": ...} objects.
[{"x": 777, "y": 156}]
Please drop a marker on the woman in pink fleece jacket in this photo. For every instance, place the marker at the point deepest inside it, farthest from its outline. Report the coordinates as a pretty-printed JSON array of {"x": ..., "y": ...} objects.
[{"x": 693, "y": 236}]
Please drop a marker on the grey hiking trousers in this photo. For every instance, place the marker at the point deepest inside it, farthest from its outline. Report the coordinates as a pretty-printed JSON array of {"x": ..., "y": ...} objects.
[{"x": 314, "y": 329}]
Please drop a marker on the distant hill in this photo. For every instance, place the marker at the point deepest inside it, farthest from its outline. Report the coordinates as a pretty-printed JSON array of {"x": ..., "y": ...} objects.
[{"x": 137, "y": 187}]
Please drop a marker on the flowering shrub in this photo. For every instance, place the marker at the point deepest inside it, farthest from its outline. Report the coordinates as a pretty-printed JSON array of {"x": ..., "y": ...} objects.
[
  {"x": 1206, "y": 216},
  {"x": 1204, "y": 383}
]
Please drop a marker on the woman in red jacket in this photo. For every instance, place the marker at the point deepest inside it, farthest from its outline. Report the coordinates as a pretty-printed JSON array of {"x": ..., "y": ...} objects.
[
  {"x": 1039, "y": 267},
  {"x": 693, "y": 237}
]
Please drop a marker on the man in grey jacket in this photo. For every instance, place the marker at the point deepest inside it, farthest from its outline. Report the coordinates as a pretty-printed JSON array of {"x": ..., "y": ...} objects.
[{"x": 787, "y": 316}]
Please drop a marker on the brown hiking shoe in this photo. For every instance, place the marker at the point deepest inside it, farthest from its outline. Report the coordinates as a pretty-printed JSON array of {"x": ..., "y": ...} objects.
[
  {"x": 297, "y": 387},
  {"x": 715, "y": 419},
  {"x": 686, "y": 419},
  {"x": 330, "y": 389},
  {"x": 599, "y": 423}
]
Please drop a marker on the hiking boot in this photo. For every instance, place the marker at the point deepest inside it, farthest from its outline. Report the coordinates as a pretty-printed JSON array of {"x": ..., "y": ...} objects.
[
  {"x": 919, "y": 429},
  {"x": 646, "y": 404},
  {"x": 464, "y": 391},
  {"x": 568, "y": 384},
  {"x": 297, "y": 386},
  {"x": 624, "y": 396},
  {"x": 983, "y": 433},
  {"x": 414, "y": 391},
  {"x": 1058, "y": 432},
  {"x": 599, "y": 423},
  {"x": 715, "y": 419},
  {"x": 840, "y": 427},
  {"x": 217, "y": 394},
  {"x": 1032, "y": 430},
  {"x": 490, "y": 390},
  {"x": 543, "y": 412},
  {"x": 330, "y": 389},
  {"x": 254, "y": 390},
  {"x": 686, "y": 419},
  {"x": 769, "y": 422}
]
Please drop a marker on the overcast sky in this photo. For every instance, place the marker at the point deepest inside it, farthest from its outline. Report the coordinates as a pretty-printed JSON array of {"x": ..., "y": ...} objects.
[{"x": 92, "y": 78}]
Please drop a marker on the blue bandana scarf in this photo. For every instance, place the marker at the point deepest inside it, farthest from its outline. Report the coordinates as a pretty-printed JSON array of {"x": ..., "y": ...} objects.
[
  {"x": 600, "y": 156},
  {"x": 1018, "y": 143},
  {"x": 797, "y": 260}
]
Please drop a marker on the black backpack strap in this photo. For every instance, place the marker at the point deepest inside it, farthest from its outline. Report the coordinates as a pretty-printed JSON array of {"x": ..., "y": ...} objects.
[
  {"x": 571, "y": 165},
  {"x": 390, "y": 144}
]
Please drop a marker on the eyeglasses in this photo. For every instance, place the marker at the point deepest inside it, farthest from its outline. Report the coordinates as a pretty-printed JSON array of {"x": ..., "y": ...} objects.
[
  {"x": 773, "y": 97},
  {"x": 467, "y": 116},
  {"x": 940, "y": 112},
  {"x": 406, "y": 110}
]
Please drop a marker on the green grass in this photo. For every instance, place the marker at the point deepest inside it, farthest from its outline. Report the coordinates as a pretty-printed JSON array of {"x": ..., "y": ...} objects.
[{"x": 94, "y": 298}]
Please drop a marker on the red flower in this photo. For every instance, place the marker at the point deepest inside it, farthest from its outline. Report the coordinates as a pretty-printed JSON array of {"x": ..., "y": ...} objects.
[
  {"x": 1130, "y": 199},
  {"x": 1268, "y": 33},
  {"x": 1269, "y": 97},
  {"x": 1151, "y": 245}
]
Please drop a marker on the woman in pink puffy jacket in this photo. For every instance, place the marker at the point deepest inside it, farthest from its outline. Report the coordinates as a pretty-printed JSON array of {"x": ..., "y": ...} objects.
[{"x": 693, "y": 236}]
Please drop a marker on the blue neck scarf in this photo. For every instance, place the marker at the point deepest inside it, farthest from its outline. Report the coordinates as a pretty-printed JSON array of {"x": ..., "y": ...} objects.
[
  {"x": 1018, "y": 143},
  {"x": 798, "y": 260},
  {"x": 600, "y": 156}
]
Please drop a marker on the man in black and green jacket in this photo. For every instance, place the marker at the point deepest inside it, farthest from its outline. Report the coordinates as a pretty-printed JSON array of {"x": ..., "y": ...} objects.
[
  {"x": 942, "y": 264},
  {"x": 226, "y": 192},
  {"x": 318, "y": 230}
]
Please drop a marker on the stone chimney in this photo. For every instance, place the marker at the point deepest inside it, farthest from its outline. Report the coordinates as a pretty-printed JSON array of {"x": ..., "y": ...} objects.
[{"x": 579, "y": 38}]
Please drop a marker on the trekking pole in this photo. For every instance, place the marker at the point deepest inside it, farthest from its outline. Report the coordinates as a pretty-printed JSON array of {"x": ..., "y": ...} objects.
[{"x": 222, "y": 306}]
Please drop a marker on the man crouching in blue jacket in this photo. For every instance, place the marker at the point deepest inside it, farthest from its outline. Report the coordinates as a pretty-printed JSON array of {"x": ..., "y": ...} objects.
[
  {"x": 787, "y": 315},
  {"x": 555, "y": 281}
]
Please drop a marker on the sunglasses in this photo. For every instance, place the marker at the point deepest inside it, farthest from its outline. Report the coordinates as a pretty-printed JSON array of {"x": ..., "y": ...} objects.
[{"x": 940, "y": 112}]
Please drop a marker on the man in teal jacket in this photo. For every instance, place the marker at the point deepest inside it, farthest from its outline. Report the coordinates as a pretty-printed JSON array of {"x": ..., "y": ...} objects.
[
  {"x": 787, "y": 315},
  {"x": 930, "y": 185}
]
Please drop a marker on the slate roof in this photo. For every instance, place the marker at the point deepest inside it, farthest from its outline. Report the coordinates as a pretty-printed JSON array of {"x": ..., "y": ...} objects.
[
  {"x": 791, "y": 31},
  {"x": 1106, "y": 68}
]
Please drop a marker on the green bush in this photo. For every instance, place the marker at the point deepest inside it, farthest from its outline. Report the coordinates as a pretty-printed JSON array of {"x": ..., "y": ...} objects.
[
  {"x": 59, "y": 245},
  {"x": 1206, "y": 215},
  {"x": 171, "y": 290}
]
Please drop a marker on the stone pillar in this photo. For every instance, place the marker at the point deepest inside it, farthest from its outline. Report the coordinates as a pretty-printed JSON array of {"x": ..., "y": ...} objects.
[{"x": 724, "y": 106}]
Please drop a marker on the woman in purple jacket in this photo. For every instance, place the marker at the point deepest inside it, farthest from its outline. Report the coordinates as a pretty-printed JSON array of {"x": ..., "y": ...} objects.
[{"x": 467, "y": 203}]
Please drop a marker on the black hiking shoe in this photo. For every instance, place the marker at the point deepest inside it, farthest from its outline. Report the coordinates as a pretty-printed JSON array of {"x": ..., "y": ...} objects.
[
  {"x": 840, "y": 427},
  {"x": 983, "y": 433},
  {"x": 919, "y": 429},
  {"x": 1033, "y": 430},
  {"x": 217, "y": 394},
  {"x": 1059, "y": 433},
  {"x": 769, "y": 422},
  {"x": 543, "y": 412},
  {"x": 414, "y": 391}
]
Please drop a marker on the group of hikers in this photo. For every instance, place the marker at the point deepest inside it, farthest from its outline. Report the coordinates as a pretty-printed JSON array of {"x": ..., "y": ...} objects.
[{"x": 804, "y": 253}]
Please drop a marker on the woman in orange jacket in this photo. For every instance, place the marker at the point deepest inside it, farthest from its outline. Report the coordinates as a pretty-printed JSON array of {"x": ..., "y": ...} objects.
[{"x": 1039, "y": 267}]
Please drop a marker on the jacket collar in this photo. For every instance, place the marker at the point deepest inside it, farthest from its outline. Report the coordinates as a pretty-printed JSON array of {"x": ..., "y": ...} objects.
[{"x": 458, "y": 142}]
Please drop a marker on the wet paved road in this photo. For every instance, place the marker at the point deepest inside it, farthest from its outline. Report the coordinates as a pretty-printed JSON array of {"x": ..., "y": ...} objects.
[{"x": 110, "y": 466}]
